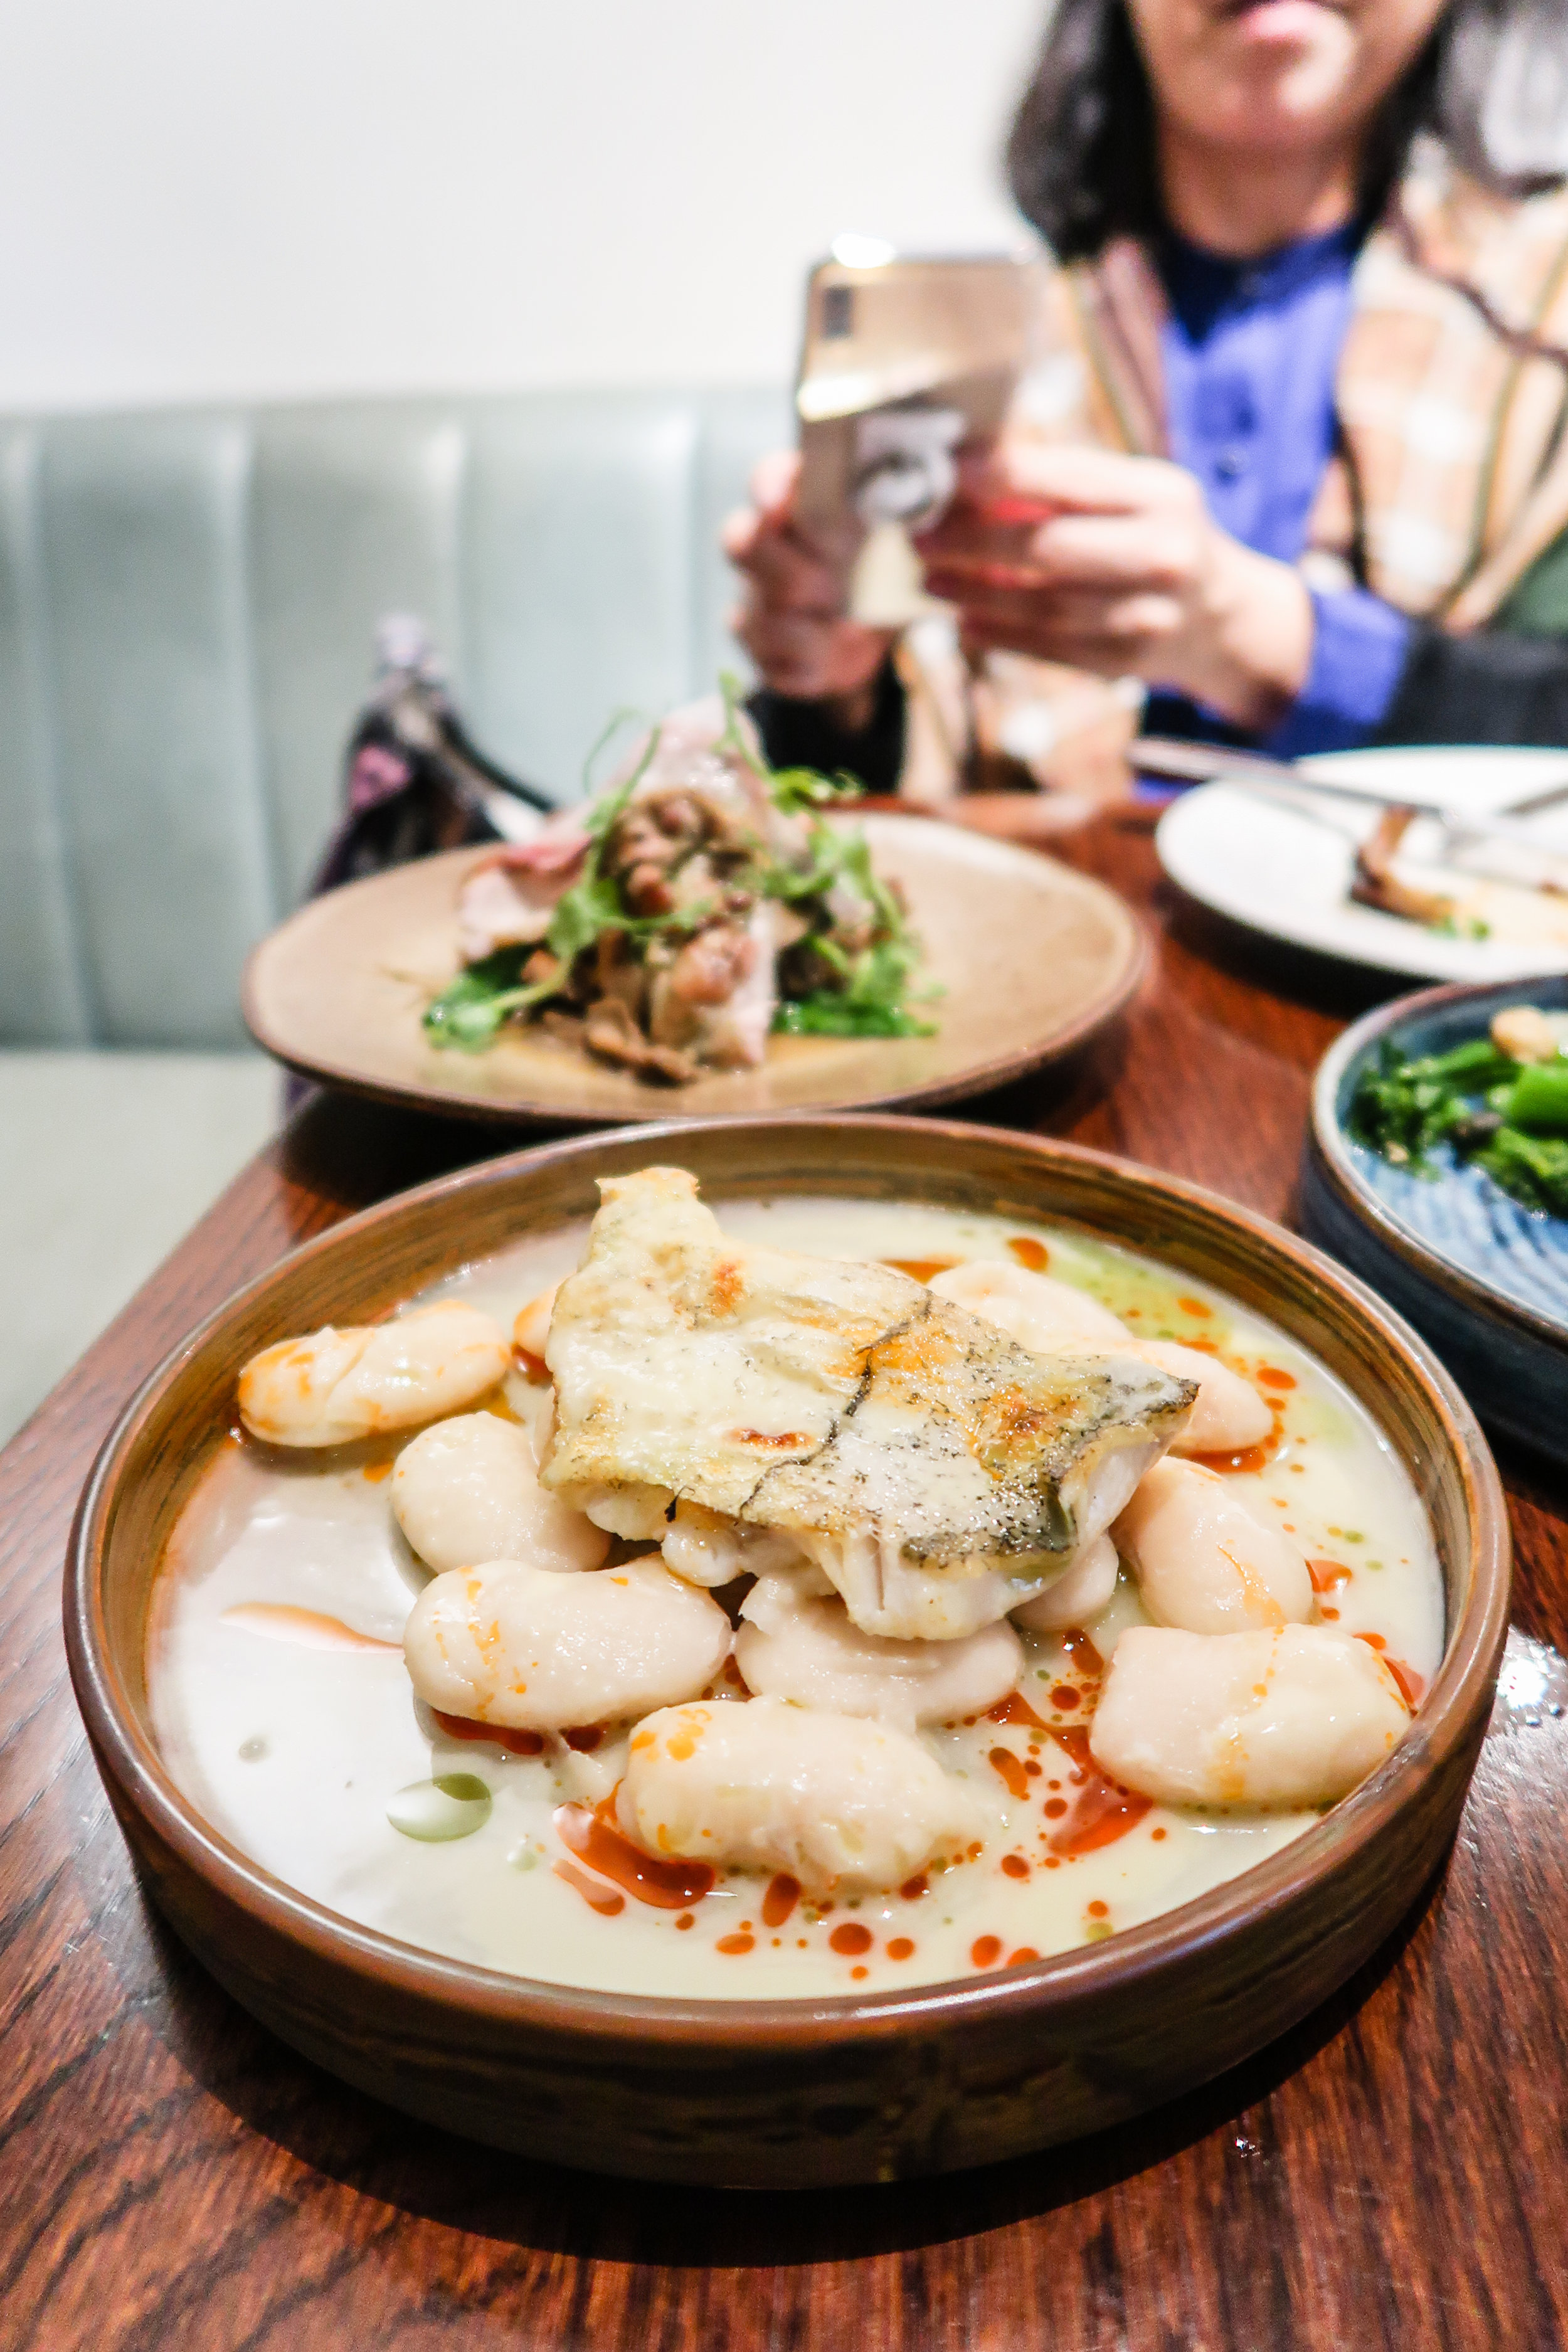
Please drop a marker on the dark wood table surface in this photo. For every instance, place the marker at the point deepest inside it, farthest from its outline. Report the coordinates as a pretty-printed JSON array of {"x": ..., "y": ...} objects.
[{"x": 1394, "y": 2173}]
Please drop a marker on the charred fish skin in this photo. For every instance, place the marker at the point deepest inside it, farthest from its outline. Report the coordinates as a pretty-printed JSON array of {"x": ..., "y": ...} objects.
[
  {"x": 830, "y": 1398},
  {"x": 977, "y": 1453}
]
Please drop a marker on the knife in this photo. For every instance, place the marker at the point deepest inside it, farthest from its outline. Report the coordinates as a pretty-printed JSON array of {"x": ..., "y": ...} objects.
[{"x": 1211, "y": 763}]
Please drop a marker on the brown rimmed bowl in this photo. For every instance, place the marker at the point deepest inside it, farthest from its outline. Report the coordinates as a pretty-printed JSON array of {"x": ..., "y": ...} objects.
[{"x": 797, "y": 2093}]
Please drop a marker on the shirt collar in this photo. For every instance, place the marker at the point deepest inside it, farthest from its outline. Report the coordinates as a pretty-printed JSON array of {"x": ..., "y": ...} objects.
[{"x": 1201, "y": 285}]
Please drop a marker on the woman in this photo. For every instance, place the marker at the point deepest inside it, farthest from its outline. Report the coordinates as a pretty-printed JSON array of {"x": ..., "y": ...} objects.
[{"x": 1312, "y": 307}]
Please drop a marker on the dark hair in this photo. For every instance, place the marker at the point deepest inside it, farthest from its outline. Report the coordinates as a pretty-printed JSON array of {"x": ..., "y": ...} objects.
[{"x": 1082, "y": 160}]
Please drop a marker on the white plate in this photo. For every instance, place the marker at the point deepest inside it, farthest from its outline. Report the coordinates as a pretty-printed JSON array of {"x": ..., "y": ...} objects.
[{"x": 1286, "y": 872}]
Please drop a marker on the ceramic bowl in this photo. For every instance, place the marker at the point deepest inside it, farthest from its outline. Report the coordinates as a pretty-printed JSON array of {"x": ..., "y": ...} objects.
[
  {"x": 784, "y": 2093},
  {"x": 1485, "y": 1279}
]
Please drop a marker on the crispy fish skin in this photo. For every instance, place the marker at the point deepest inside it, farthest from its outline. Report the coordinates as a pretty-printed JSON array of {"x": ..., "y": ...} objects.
[{"x": 831, "y": 1399}]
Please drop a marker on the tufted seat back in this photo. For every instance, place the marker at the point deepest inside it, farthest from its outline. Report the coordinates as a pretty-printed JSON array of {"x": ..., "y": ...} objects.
[{"x": 186, "y": 607}]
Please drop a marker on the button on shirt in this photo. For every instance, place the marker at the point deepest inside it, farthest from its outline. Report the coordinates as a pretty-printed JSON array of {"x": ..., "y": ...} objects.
[{"x": 1250, "y": 350}]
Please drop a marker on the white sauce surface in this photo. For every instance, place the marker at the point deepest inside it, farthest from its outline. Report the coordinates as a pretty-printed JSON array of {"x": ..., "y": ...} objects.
[{"x": 294, "y": 1751}]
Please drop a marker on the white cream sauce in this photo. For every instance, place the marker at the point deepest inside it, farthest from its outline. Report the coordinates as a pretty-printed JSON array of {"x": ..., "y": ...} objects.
[{"x": 295, "y": 1749}]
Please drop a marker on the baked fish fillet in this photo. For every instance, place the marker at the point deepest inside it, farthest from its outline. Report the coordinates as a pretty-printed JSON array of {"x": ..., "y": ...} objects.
[{"x": 937, "y": 1472}]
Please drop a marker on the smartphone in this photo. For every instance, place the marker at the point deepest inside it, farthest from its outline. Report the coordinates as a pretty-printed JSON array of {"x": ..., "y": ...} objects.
[{"x": 906, "y": 361}]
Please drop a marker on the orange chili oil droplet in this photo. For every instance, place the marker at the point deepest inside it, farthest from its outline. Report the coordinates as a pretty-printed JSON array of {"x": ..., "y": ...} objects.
[
  {"x": 1055, "y": 1807},
  {"x": 518, "y": 1743},
  {"x": 1065, "y": 1696},
  {"x": 1032, "y": 1768},
  {"x": 1326, "y": 1573},
  {"x": 1331, "y": 1615},
  {"x": 735, "y": 1944},
  {"x": 1008, "y": 1769},
  {"x": 920, "y": 1269},
  {"x": 280, "y": 1620},
  {"x": 376, "y": 1471},
  {"x": 1252, "y": 1457},
  {"x": 1104, "y": 1811},
  {"x": 1014, "y": 1708},
  {"x": 1194, "y": 1307},
  {"x": 783, "y": 1894},
  {"x": 585, "y": 1737},
  {"x": 687, "y": 1920},
  {"x": 1030, "y": 1252},
  {"x": 1024, "y": 1953},
  {"x": 1411, "y": 1683},
  {"x": 913, "y": 1888},
  {"x": 900, "y": 1947},
  {"x": 1014, "y": 1865},
  {"x": 850, "y": 1938},
  {"x": 1086, "y": 1659},
  {"x": 603, "y": 1899},
  {"x": 1100, "y": 1910},
  {"x": 666, "y": 1886},
  {"x": 1273, "y": 1378},
  {"x": 1157, "y": 1834},
  {"x": 859, "y": 1973},
  {"x": 985, "y": 1951}
]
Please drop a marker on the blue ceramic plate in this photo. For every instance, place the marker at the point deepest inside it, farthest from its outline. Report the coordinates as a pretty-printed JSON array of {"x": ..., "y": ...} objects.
[{"x": 1485, "y": 1279}]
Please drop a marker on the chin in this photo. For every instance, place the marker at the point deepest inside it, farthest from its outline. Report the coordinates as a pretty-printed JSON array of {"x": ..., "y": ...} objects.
[{"x": 1270, "y": 98}]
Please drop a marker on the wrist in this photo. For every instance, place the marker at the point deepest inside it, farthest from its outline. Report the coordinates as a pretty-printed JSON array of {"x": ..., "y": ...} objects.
[{"x": 1258, "y": 640}]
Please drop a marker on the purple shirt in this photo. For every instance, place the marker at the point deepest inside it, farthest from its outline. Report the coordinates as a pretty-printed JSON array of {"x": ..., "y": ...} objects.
[{"x": 1251, "y": 350}]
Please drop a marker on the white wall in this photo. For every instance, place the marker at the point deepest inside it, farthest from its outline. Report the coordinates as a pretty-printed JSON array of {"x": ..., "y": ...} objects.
[{"x": 205, "y": 199}]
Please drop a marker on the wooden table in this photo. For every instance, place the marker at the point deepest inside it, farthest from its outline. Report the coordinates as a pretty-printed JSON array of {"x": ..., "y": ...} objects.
[{"x": 1393, "y": 2174}]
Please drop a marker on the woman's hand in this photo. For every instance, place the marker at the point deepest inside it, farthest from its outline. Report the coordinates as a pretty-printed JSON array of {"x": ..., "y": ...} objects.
[
  {"x": 792, "y": 617},
  {"x": 1113, "y": 564}
]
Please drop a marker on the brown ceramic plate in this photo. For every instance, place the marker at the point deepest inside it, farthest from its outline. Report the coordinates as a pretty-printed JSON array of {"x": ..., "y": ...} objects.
[
  {"x": 854, "y": 2088},
  {"x": 1032, "y": 957}
]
